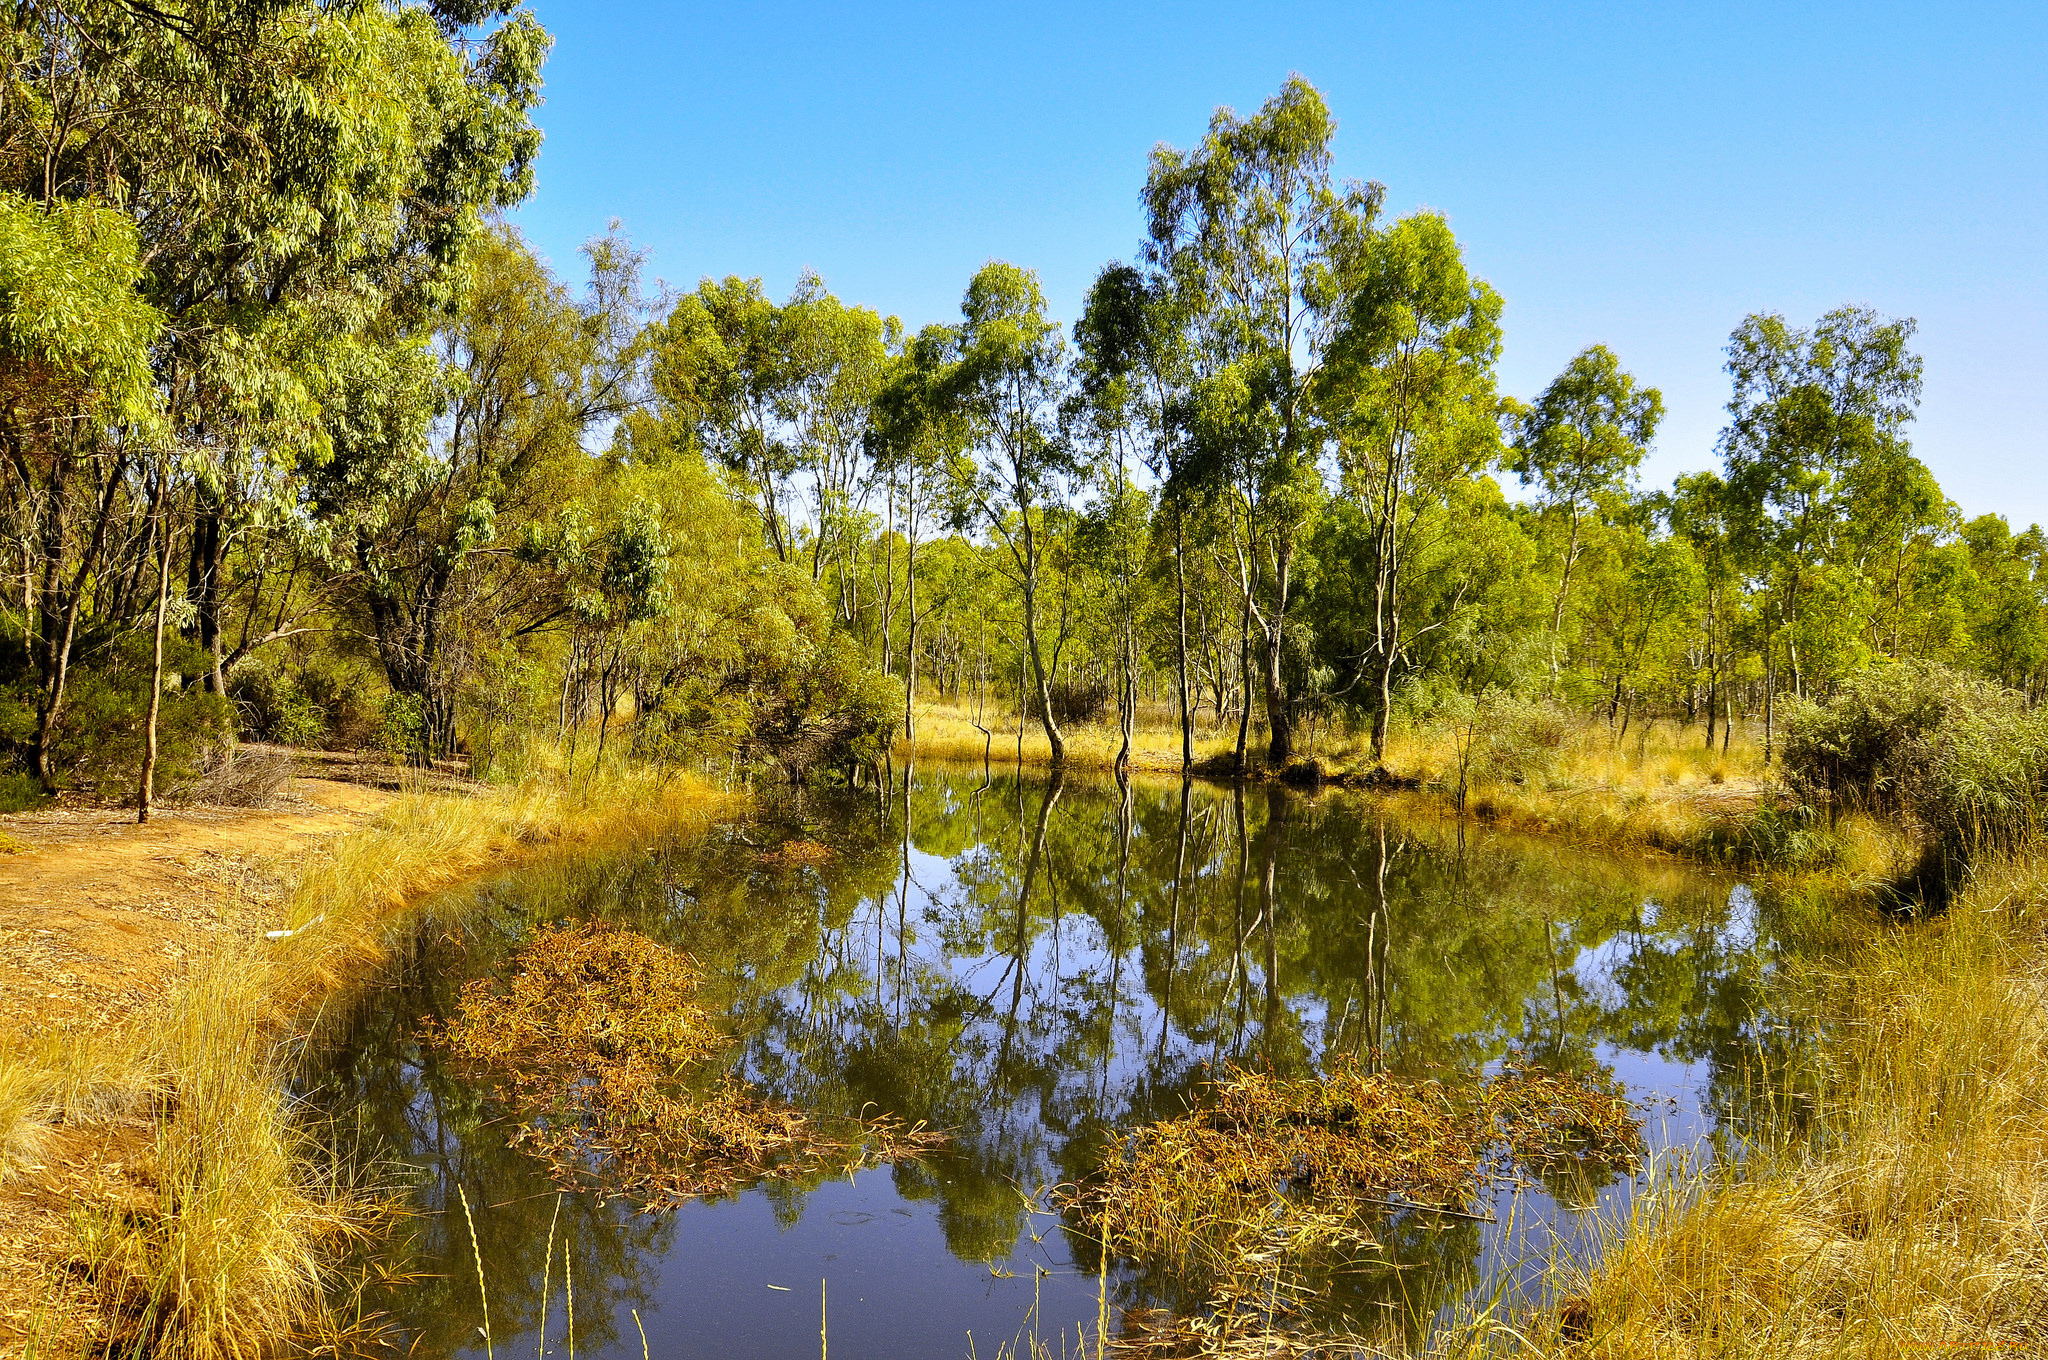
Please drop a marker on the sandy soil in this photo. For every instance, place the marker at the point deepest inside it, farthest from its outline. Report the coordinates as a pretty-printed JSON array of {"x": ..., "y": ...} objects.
[{"x": 96, "y": 911}]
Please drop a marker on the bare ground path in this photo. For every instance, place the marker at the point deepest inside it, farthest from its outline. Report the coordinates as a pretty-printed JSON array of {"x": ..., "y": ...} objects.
[{"x": 96, "y": 911}]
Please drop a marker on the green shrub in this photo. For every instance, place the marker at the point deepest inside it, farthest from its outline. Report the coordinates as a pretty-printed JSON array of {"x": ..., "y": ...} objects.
[
  {"x": 324, "y": 702},
  {"x": 20, "y": 793},
  {"x": 99, "y": 736},
  {"x": 404, "y": 735},
  {"x": 1958, "y": 759}
]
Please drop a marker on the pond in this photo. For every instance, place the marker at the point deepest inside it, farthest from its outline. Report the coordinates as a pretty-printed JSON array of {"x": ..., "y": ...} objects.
[{"x": 1027, "y": 964}]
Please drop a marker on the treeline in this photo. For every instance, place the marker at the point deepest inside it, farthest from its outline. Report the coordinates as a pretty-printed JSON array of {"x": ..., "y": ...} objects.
[
  {"x": 1260, "y": 483},
  {"x": 300, "y": 440}
]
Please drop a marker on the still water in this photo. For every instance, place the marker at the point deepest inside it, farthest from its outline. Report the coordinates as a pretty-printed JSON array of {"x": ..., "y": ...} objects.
[{"x": 1026, "y": 965}]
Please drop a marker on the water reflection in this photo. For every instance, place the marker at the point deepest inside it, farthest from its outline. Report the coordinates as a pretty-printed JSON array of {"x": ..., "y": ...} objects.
[{"x": 1030, "y": 964}]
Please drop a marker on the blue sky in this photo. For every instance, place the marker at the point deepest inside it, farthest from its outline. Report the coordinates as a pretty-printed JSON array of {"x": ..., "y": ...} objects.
[{"x": 1636, "y": 175}]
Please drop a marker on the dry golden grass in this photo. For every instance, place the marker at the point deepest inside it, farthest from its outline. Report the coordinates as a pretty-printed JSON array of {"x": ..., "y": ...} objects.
[
  {"x": 1910, "y": 1215},
  {"x": 946, "y": 731},
  {"x": 1658, "y": 786},
  {"x": 228, "y": 1256}
]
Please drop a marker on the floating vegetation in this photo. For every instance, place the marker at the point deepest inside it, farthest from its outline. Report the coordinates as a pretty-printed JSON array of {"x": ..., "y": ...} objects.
[
  {"x": 599, "y": 1043},
  {"x": 1274, "y": 1182}
]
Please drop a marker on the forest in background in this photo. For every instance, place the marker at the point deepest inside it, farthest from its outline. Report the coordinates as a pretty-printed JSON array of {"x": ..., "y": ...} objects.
[{"x": 303, "y": 442}]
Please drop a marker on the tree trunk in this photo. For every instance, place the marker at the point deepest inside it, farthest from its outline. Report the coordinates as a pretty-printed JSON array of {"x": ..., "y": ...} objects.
[
  {"x": 1040, "y": 679},
  {"x": 1180, "y": 586},
  {"x": 51, "y": 709},
  {"x": 208, "y": 551},
  {"x": 145, "y": 794}
]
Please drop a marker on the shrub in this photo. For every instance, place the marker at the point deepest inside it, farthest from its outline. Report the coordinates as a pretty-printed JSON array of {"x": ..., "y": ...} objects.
[
  {"x": 1955, "y": 758},
  {"x": 100, "y": 735},
  {"x": 322, "y": 703}
]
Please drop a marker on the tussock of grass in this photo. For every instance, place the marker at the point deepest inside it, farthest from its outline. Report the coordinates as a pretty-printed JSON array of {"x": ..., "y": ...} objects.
[
  {"x": 1904, "y": 1209},
  {"x": 233, "y": 1254},
  {"x": 598, "y": 1042}
]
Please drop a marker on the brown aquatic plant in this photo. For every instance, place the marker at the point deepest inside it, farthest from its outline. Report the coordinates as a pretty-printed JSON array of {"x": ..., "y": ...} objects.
[
  {"x": 599, "y": 1043},
  {"x": 797, "y": 854},
  {"x": 1272, "y": 1181}
]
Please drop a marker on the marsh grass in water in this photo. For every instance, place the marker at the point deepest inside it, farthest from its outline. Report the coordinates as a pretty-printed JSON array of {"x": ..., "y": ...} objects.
[
  {"x": 598, "y": 1043},
  {"x": 1275, "y": 1182},
  {"x": 1894, "y": 1203}
]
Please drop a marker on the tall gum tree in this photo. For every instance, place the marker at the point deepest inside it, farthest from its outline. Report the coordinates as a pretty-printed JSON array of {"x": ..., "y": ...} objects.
[
  {"x": 1132, "y": 376},
  {"x": 1812, "y": 411},
  {"x": 1261, "y": 239},
  {"x": 914, "y": 437},
  {"x": 1412, "y": 393},
  {"x": 1006, "y": 387},
  {"x": 1581, "y": 441}
]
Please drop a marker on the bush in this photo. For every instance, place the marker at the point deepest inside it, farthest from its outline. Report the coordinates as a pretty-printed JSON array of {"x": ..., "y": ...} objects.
[
  {"x": 1959, "y": 760},
  {"x": 1497, "y": 738},
  {"x": 1771, "y": 835},
  {"x": 100, "y": 735},
  {"x": 324, "y": 703}
]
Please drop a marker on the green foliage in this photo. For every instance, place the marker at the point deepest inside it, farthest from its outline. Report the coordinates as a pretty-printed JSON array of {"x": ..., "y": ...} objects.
[
  {"x": 97, "y": 742},
  {"x": 70, "y": 318},
  {"x": 1955, "y": 755}
]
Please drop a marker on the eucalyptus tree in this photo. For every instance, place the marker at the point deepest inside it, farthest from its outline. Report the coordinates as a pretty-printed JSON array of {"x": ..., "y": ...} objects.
[
  {"x": 301, "y": 180},
  {"x": 1006, "y": 387},
  {"x": 78, "y": 406},
  {"x": 1698, "y": 511},
  {"x": 915, "y": 437},
  {"x": 1135, "y": 372},
  {"x": 838, "y": 359},
  {"x": 1811, "y": 409},
  {"x": 777, "y": 392},
  {"x": 719, "y": 369},
  {"x": 1261, "y": 241},
  {"x": 1580, "y": 444},
  {"x": 1412, "y": 395},
  {"x": 446, "y": 455}
]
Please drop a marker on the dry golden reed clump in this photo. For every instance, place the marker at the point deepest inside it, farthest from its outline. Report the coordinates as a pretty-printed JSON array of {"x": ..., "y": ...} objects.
[
  {"x": 1276, "y": 1181},
  {"x": 599, "y": 1043},
  {"x": 798, "y": 854},
  {"x": 1349, "y": 1141}
]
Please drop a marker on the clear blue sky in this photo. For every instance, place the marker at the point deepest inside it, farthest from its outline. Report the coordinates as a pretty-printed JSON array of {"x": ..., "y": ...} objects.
[{"x": 1637, "y": 175}]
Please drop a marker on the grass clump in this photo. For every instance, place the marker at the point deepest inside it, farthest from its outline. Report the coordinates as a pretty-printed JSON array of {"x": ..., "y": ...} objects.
[
  {"x": 232, "y": 1254},
  {"x": 598, "y": 1042},
  {"x": 1276, "y": 1182},
  {"x": 1896, "y": 1207}
]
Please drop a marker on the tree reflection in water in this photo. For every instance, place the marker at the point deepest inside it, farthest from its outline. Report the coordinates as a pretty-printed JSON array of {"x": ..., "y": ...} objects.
[{"x": 1033, "y": 964}]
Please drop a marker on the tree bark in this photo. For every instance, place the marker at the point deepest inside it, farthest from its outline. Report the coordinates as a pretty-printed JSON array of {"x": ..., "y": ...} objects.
[{"x": 145, "y": 794}]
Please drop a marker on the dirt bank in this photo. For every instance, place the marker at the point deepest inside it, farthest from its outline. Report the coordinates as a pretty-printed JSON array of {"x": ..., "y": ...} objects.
[{"x": 96, "y": 911}]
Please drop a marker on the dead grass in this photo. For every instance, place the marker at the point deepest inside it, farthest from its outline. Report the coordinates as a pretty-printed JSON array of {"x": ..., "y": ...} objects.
[
  {"x": 1906, "y": 1211},
  {"x": 598, "y": 1044},
  {"x": 1274, "y": 1183}
]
